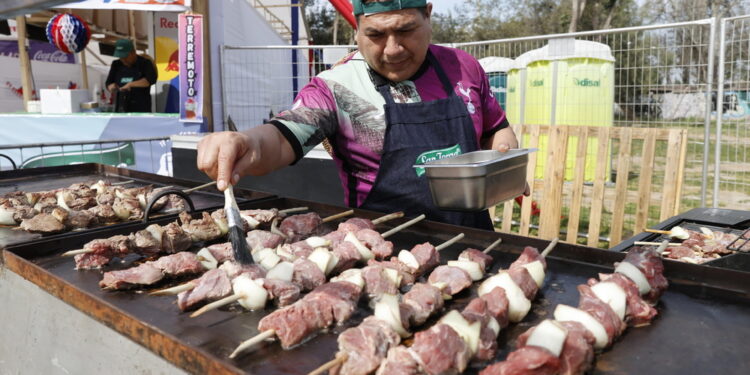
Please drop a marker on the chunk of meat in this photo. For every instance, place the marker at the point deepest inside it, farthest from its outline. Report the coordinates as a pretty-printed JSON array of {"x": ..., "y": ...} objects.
[
  {"x": 399, "y": 361},
  {"x": 365, "y": 347},
  {"x": 427, "y": 257},
  {"x": 601, "y": 311},
  {"x": 638, "y": 311},
  {"x": 179, "y": 264},
  {"x": 307, "y": 274},
  {"x": 377, "y": 281},
  {"x": 650, "y": 264},
  {"x": 474, "y": 255},
  {"x": 283, "y": 292},
  {"x": 528, "y": 360},
  {"x": 375, "y": 242},
  {"x": 42, "y": 223},
  {"x": 441, "y": 350},
  {"x": 454, "y": 279},
  {"x": 144, "y": 274},
  {"x": 425, "y": 300},
  {"x": 529, "y": 255},
  {"x": 497, "y": 304},
  {"x": 211, "y": 286},
  {"x": 261, "y": 239},
  {"x": 523, "y": 279}
]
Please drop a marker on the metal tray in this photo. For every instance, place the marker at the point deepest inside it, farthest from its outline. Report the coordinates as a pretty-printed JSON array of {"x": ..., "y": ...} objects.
[
  {"x": 46, "y": 178},
  {"x": 718, "y": 219},
  {"x": 477, "y": 180},
  {"x": 705, "y": 310}
]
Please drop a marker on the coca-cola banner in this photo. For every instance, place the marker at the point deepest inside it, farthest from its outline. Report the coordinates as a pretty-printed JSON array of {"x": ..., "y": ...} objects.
[
  {"x": 190, "y": 29},
  {"x": 38, "y": 51}
]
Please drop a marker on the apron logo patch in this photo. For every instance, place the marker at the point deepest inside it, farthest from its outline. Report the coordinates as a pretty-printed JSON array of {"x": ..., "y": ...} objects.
[{"x": 433, "y": 155}]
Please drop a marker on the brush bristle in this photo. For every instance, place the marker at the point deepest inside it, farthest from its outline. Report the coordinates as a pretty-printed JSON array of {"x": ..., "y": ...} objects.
[{"x": 239, "y": 245}]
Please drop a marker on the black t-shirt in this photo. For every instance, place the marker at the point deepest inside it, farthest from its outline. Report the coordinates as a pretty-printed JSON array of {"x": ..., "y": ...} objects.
[{"x": 139, "y": 98}]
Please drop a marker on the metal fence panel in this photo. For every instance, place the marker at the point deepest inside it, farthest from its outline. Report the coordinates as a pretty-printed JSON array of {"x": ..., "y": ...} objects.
[{"x": 732, "y": 152}]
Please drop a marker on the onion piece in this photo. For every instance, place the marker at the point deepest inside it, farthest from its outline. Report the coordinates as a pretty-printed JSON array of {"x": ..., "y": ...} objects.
[
  {"x": 407, "y": 258},
  {"x": 469, "y": 332},
  {"x": 142, "y": 200},
  {"x": 156, "y": 231},
  {"x": 393, "y": 275},
  {"x": 518, "y": 304},
  {"x": 6, "y": 216},
  {"x": 270, "y": 261},
  {"x": 565, "y": 313},
  {"x": 207, "y": 259},
  {"x": 549, "y": 335},
  {"x": 708, "y": 233},
  {"x": 387, "y": 310},
  {"x": 222, "y": 224},
  {"x": 321, "y": 257},
  {"x": 634, "y": 274},
  {"x": 536, "y": 270},
  {"x": 285, "y": 254},
  {"x": 679, "y": 233},
  {"x": 472, "y": 268},
  {"x": 32, "y": 198},
  {"x": 282, "y": 271},
  {"x": 99, "y": 186},
  {"x": 258, "y": 255},
  {"x": 363, "y": 250},
  {"x": 251, "y": 222},
  {"x": 494, "y": 325},
  {"x": 613, "y": 295},
  {"x": 352, "y": 275},
  {"x": 253, "y": 295},
  {"x": 61, "y": 201},
  {"x": 318, "y": 242}
]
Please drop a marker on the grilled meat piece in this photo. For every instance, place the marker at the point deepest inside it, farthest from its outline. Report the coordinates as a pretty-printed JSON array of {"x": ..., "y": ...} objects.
[
  {"x": 260, "y": 239},
  {"x": 399, "y": 361},
  {"x": 211, "y": 286},
  {"x": 104, "y": 212},
  {"x": 638, "y": 311},
  {"x": 377, "y": 281},
  {"x": 601, "y": 311},
  {"x": 175, "y": 239},
  {"x": 80, "y": 219},
  {"x": 283, "y": 292},
  {"x": 127, "y": 209},
  {"x": 425, "y": 300},
  {"x": 478, "y": 311},
  {"x": 203, "y": 229},
  {"x": 649, "y": 263},
  {"x": 427, "y": 256},
  {"x": 365, "y": 346},
  {"x": 441, "y": 350},
  {"x": 454, "y": 278},
  {"x": 307, "y": 274},
  {"x": 474, "y": 255},
  {"x": 523, "y": 279},
  {"x": 528, "y": 360},
  {"x": 143, "y": 274},
  {"x": 497, "y": 304},
  {"x": 298, "y": 226},
  {"x": 42, "y": 223},
  {"x": 577, "y": 353}
]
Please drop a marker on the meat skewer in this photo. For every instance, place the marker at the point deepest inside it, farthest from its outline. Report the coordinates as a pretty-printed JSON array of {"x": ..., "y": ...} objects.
[
  {"x": 566, "y": 345},
  {"x": 283, "y": 323},
  {"x": 263, "y": 243},
  {"x": 475, "y": 330},
  {"x": 676, "y": 232},
  {"x": 319, "y": 257}
]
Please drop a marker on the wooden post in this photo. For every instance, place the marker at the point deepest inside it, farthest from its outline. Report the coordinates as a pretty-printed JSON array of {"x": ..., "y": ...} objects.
[
  {"x": 23, "y": 57},
  {"x": 84, "y": 70},
  {"x": 131, "y": 18}
]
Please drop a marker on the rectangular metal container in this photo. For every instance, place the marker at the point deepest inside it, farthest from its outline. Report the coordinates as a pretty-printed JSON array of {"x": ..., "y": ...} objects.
[{"x": 477, "y": 180}]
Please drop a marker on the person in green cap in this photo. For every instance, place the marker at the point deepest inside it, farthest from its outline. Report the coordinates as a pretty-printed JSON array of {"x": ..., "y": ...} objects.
[
  {"x": 397, "y": 102},
  {"x": 130, "y": 77}
]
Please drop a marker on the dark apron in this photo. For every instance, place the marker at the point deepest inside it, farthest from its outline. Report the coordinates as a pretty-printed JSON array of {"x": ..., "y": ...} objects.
[{"x": 411, "y": 130}]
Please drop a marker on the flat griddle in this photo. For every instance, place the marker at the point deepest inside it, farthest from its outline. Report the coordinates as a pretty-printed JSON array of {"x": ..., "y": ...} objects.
[
  {"x": 48, "y": 178},
  {"x": 702, "y": 327}
]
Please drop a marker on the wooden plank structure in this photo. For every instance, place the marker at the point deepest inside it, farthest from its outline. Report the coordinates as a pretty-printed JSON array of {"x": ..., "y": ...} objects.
[{"x": 644, "y": 188}]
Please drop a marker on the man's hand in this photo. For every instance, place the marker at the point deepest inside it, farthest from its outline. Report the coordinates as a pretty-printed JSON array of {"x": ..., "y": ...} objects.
[
  {"x": 112, "y": 87},
  {"x": 224, "y": 156},
  {"x": 125, "y": 87}
]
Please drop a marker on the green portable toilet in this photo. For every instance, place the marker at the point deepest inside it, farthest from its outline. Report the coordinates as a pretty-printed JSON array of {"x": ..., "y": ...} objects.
[
  {"x": 497, "y": 69},
  {"x": 570, "y": 82}
]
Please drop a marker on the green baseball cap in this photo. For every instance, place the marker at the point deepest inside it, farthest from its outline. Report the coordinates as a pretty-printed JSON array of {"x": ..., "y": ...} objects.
[
  {"x": 376, "y": 6},
  {"x": 123, "y": 48}
]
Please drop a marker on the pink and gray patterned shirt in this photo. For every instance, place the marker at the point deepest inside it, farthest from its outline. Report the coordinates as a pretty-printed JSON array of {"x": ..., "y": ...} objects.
[{"x": 343, "y": 105}]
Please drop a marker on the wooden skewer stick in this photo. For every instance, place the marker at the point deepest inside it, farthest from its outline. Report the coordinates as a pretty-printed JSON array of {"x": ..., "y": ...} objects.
[
  {"x": 646, "y": 243},
  {"x": 492, "y": 246},
  {"x": 402, "y": 226},
  {"x": 120, "y": 183},
  {"x": 550, "y": 247},
  {"x": 338, "y": 216},
  {"x": 216, "y": 304},
  {"x": 339, "y": 360},
  {"x": 453, "y": 240},
  {"x": 275, "y": 229},
  {"x": 657, "y": 231},
  {"x": 249, "y": 343},
  {"x": 388, "y": 217},
  {"x": 662, "y": 247},
  {"x": 174, "y": 290},
  {"x": 292, "y": 210},
  {"x": 199, "y": 187},
  {"x": 76, "y": 252}
]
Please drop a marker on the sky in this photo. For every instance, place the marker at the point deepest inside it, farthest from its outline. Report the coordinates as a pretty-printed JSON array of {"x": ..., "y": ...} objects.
[{"x": 443, "y": 6}]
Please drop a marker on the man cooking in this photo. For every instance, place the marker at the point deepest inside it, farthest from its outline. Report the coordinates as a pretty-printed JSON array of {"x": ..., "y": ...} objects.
[
  {"x": 132, "y": 76},
  {"x": 396, "y": 102}
]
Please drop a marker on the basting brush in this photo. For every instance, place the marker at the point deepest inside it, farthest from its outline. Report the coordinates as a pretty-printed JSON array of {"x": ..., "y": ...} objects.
[{"x": 236, "y": 228}]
